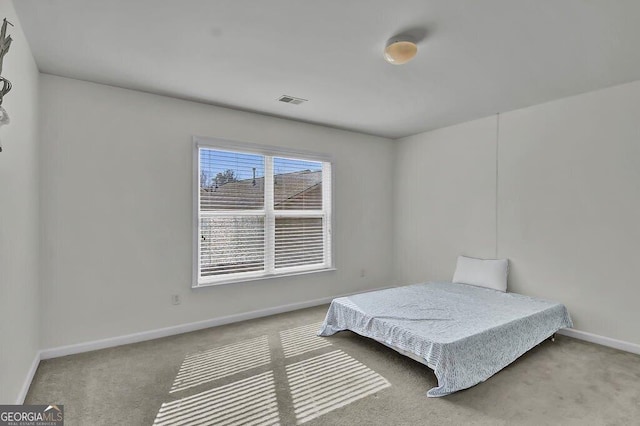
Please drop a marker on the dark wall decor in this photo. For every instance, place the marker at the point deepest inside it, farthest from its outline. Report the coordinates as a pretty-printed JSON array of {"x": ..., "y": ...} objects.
[{"x": 5, "y": 85}]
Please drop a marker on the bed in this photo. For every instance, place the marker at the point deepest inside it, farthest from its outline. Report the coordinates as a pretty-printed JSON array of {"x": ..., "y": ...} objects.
[{"x": 464, "y": 333}]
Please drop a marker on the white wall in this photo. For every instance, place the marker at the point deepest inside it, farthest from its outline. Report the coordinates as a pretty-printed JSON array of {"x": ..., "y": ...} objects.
[
  {"x": 445, "y": 198},
  {"x": 19, "y": 218},
  {"x": 567, "y": 211},
  {"x": 116, "y": 205}
]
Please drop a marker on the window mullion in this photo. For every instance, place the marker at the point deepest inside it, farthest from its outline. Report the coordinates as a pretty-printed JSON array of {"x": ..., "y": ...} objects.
[
  {"x": 328, "y": 210},
  {"x": 270, "y": 220}
]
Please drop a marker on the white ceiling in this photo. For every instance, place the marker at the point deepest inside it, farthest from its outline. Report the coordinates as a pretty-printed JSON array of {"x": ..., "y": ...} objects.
[{"x": 476, "y": 58}]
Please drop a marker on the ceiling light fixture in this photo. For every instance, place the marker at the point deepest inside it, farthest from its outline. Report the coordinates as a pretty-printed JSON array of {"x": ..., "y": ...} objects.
[{"x": 400, "y": 50}]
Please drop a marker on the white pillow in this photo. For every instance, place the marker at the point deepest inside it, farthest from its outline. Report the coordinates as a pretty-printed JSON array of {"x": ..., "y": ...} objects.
[{"x": 489, "y": 273}]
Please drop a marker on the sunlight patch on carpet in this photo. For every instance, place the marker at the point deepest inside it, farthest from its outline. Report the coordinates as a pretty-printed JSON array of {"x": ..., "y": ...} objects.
[
  {"x": 215, "y": 363},
  {"x": 303, "y": 339},
  {"x": 250, "y": 401},
  {"x": 326, "y": 382}
]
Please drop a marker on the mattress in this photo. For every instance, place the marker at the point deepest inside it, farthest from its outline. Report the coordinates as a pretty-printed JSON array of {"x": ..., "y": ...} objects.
[{"x": 464, "y": 333}]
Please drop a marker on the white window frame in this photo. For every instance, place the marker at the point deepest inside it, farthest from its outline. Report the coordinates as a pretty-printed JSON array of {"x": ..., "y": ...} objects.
[{"x": 269, "y": 212}]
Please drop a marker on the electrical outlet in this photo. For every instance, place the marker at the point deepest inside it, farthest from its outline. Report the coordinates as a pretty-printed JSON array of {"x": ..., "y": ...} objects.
[
  {"x": 363, "y": 273},
  {"x": 175, "y": 299}
]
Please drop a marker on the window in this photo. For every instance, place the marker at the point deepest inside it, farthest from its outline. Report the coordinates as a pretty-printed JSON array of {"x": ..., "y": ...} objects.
[{"x": 261, "y": 213}]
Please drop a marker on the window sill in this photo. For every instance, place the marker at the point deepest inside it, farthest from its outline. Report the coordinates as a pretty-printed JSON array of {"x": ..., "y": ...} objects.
[{"x": 259, "y": 278}]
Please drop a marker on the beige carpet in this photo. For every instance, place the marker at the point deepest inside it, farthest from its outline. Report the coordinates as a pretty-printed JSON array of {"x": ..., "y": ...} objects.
[{"x": 276, "y": 371}]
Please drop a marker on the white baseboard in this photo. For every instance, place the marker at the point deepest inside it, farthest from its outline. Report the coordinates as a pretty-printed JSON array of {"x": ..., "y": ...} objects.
[
  {"x": 178, "y": 329},
  {"x": 601, "y": 340},
  {"x": 27, "y": 381}
]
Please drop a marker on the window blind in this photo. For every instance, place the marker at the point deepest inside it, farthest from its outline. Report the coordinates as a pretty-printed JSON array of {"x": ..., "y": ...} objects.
[
  {"x": 299, "y": 241},
  {"x": 261, "y": 215},
  {"x": 231, "y": 244},
  {"x": 297, "y": 184},
  {"x": 231, "y": 181}
]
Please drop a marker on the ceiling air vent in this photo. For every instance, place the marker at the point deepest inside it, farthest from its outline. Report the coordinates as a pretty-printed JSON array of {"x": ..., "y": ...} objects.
[{"x": 291, "y": 100}]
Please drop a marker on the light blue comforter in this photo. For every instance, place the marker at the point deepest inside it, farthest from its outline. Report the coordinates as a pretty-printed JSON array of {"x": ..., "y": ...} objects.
[{"x": 465, "y": 333}]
